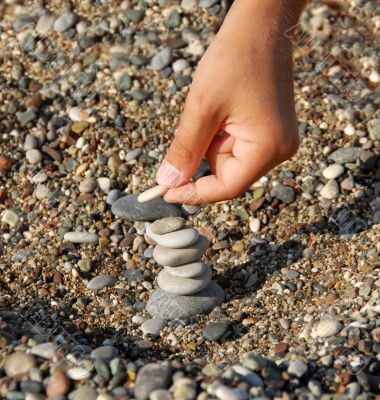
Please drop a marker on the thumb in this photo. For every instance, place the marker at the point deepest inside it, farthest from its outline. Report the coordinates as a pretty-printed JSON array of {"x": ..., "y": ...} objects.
[{"x": 189, "y": 146}]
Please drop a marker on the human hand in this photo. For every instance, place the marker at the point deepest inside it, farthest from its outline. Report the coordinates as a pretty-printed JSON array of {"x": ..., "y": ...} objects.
[{"x": 239, "y": 112}]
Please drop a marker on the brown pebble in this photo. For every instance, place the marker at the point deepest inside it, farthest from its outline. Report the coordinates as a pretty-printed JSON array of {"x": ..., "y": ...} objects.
[
  {"x": 43, "y": 292},
  {"x": 128, "y": 240},
  {"x": 57, "y": 278},
  {"x": 281, "y": 347},
  {"x": 5, "y": 163},
  {"x": 3, "y": 196},
  {"x": 131, "y": 264},
  {"x": 58, "y": 384},
  {"x": 257, "y": 203},
  {"x": 54, "y": 154}
]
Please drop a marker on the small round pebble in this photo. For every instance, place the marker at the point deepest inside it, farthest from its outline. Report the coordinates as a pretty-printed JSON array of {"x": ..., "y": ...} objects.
[
  {"x": 215, "y": 330},
  {"x": 34, "y": 156},
  {"x": 333, "y": 171},
  {"x": 153, "y": 326}
]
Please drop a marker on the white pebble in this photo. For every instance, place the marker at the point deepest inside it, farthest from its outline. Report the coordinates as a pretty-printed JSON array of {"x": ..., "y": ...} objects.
[
  {"x": 374, "y": 77},
  {"x": 333, "y": 171},
  {"x": 105, "y": 184},
  {"x": 349, "y": 130},
  {"x": 81, "y": 237},
  {"x": 77, "y": 115},
  {"x": 10, "y": 218},
  {"x": 40, "y": 177},
  {"x": 327, "y": 327},
  {"x": 77, "y": 374},
  {"x": 330, "y": 191},
  {"x": 152, "y": 193},
  {"x": 254, "y": 225},
  {"x": 34, "y": 156}
]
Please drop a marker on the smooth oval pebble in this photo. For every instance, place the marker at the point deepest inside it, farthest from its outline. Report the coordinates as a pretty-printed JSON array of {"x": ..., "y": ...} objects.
[
  {"x": 327, "y": 328},
  {"x": 101, "y": 281},
  {"x": 19, "y": 363},
  {"x": 34, "y": 156},
  {"x": 167, "y": 225},
  {"x": 81, "y": 237},
  {"x": 183, "y": 286},
  {"x": 175, "y": 240},
  {"x": 333, "y": 171},
  {"x": 153, "y": 326},
  {"x": 150, "y": 378},
  {"x": 172, "y": 257},
  {"x": 215, "y": 330},
  {"x": 331, "y": 190},
  {"x": 77, "y": 374},
  {"x": 152, "y": 193},
  {"x": 104, "y": 353},
  {"x": 190, "y": 270}
]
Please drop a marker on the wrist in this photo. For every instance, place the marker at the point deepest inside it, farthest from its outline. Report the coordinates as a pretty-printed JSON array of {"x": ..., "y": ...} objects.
[{"x": 278, "y": 13}]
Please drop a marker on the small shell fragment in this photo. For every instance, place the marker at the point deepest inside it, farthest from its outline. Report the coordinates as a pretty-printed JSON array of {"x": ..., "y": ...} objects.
[{"x": 152, "y": 193}]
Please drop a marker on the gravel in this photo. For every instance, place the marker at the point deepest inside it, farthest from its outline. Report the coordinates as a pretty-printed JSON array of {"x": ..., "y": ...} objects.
[{"x": 298, "y": 279}]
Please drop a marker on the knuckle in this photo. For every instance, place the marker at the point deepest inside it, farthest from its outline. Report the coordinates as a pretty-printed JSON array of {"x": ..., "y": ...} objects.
[{"x": 181, "y": 148}]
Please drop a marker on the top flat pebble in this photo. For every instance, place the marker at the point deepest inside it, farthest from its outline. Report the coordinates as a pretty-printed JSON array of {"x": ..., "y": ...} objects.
[
  {"x": 129, "y": 208},
  {"x": 167, "y": 225}
]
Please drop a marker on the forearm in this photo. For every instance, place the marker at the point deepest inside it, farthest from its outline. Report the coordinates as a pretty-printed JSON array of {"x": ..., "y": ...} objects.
[{"x": 284, "y": 13}]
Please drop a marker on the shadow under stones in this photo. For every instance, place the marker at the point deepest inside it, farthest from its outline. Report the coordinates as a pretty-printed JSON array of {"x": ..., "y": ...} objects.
[
  {"x": 241, "y": 280},
  {"x": 72, "y": 334},
  {"x": 352, "y": 217}
]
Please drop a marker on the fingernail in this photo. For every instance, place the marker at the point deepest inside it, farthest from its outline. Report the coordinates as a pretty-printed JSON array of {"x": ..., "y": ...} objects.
[{"x": 168, "y": 174}]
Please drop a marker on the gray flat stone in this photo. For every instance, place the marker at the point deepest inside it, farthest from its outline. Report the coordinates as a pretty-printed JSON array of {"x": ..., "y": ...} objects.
[
  {"x": 104, "y": 353},
  {"x": 129, "y": 208},
  {"x": 166, "y": 305},
  {"x": 172, "y": 257},
  {"x": 345, "y": 155},
  {"x": 183, "y": 286},
  {"x": 162, "y": 59},
  {"x": 85, "y": 392},
  {"x": 152, "y": 377},
  {"x": 153, "y": 326},
  {"x": 101, "y": 281},
  {"x": 215, "y": 330},
  {"x": 175, "y": 240},
  {"x": 166, "y": 225},
  {"x": 65, "y": 21},
  {"x": 190, "y": 270}
]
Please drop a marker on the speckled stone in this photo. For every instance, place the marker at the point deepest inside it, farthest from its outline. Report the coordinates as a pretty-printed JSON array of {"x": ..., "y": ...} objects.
[
  {"x": 170, "y": 306},
  {"x": 167, "y": 225}
]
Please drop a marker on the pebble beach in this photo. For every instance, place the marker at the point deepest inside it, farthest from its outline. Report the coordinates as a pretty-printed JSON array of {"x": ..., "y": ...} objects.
[{"x": 90, "y": 95}]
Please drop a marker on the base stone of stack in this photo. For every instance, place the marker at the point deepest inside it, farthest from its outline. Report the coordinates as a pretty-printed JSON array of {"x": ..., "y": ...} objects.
[{"x": 166, "y": 305}]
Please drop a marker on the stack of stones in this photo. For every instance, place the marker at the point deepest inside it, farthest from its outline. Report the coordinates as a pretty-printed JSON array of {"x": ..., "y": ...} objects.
[{"x": 185, "y": 286}]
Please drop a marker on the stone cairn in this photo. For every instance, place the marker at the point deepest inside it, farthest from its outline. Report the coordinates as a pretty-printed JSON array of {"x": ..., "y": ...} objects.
[{"x": 185, "y": 286}]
